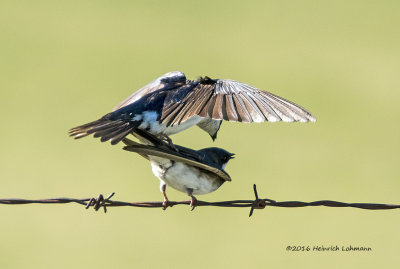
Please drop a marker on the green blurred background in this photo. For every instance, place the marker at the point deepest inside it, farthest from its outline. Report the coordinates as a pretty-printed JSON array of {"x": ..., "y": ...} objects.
[{"x": 64, "y": 63}]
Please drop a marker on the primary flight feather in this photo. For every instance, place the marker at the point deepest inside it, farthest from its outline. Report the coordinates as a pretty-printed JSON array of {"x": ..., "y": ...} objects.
[{"x": 172, "y": 103}]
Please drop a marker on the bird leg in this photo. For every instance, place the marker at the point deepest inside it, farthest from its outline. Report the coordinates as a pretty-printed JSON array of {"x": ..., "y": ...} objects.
[
  {"x": 193, "y": 201},
  {"x": 169, "y": 141},
  {"x": 163, "y": 188}
]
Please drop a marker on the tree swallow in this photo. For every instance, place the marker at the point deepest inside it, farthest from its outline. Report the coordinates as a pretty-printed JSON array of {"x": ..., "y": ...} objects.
[
  {"x": 186, "y": 170},
  {"x": 171, "y": 104}
]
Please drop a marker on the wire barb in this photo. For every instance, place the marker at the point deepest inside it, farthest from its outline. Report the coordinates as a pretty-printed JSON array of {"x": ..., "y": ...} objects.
[
  {"x": 257, "y": 203},
  {"x": 99, "y": 202}
]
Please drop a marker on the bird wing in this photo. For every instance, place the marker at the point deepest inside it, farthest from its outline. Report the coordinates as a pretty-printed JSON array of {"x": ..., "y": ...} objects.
[
  {"x": 168, "y": 81},
  {"x": 145, "y": 150},
  {"x": 230, "y": 100},
  {"x": 130, "y": 143}
]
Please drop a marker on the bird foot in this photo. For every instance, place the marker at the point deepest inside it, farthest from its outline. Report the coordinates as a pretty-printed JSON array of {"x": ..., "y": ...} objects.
[
  {"x": 193, "y": 203},
  {"x": 167, "y": 139},
  {"x": 165, "y": 204}
]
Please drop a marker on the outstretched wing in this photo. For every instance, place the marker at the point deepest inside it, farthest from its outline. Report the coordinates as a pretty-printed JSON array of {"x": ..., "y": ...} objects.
[
  {"x": 169, "y": 80},
  {"x": 145, "y": 150},
  {"x": 230, "y": 100}
]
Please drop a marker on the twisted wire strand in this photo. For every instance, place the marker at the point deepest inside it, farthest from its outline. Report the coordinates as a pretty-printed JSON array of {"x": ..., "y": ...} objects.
[{"x": 257, "y": 203}]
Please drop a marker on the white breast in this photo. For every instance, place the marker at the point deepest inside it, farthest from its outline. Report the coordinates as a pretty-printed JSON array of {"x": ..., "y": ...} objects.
[{"x": 183, "y": 177}]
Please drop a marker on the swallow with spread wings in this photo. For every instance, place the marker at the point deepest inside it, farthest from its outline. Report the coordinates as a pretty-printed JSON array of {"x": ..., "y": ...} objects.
[{"x": 172, "y": 103}]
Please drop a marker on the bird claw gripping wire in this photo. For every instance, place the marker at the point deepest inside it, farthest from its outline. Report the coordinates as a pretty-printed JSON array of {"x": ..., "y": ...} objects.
[
  {"x": 99, "y": 202},
  {"x": 259, "y": 203}
]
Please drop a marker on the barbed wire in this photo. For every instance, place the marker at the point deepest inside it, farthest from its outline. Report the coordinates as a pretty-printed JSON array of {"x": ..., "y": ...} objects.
[{"x": 257, "y": 203}]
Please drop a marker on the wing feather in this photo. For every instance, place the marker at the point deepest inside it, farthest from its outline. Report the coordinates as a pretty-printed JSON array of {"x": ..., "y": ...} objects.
[
  {"x": 233, "y": 101},
  {"x": 218, "y": 106},
  {"x": 198, "y": 98},
  {"x": 267, "y": 111},
  {"x": 169, "y": 119},
  {"x": 206, "y": 95},
  {"x": 185, "y": 112},
  {"x": 252, "y": 108},
  {"x": 244, "y": 116},
  {"x": 230, "y": 109},
  {"x": 208, "y": 107},
  {"x": 171, "y": 155}
]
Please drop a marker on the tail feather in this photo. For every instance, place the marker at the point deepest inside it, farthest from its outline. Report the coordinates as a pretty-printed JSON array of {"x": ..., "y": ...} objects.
[
  {"x": 116, "y": 139},
  {"x": 106, "y": 129},
  {"x": 111, "y": 133},
  {"x": 87, "y": 126}
]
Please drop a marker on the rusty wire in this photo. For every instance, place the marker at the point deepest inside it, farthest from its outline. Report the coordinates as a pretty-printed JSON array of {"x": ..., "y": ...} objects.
[{"x": 257, "y": 203}]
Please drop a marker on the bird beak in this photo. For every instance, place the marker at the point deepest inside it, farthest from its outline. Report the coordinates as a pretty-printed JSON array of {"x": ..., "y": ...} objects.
[{"x": 232, "y": 156}]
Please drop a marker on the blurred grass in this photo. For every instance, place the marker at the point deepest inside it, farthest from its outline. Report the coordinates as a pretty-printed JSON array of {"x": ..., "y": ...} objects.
[{"x": 68, "y": 62}]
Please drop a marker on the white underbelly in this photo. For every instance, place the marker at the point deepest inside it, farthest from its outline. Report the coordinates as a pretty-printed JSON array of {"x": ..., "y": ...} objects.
[
  {"x": 151, "y": 124},
  {"x": 183, "y": 177}
]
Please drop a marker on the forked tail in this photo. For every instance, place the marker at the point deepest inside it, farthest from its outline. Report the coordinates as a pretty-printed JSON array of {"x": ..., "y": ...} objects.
[{"x": 106, "y": 129}]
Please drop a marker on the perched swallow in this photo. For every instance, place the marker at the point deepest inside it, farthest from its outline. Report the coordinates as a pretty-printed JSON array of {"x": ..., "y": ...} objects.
[
  {"x": 171, "y": 104},
  {"x": 190, "y": 171}
]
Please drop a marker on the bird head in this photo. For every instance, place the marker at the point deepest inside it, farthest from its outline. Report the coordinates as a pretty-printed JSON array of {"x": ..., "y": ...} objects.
[{"x": 218, "y": 156}]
